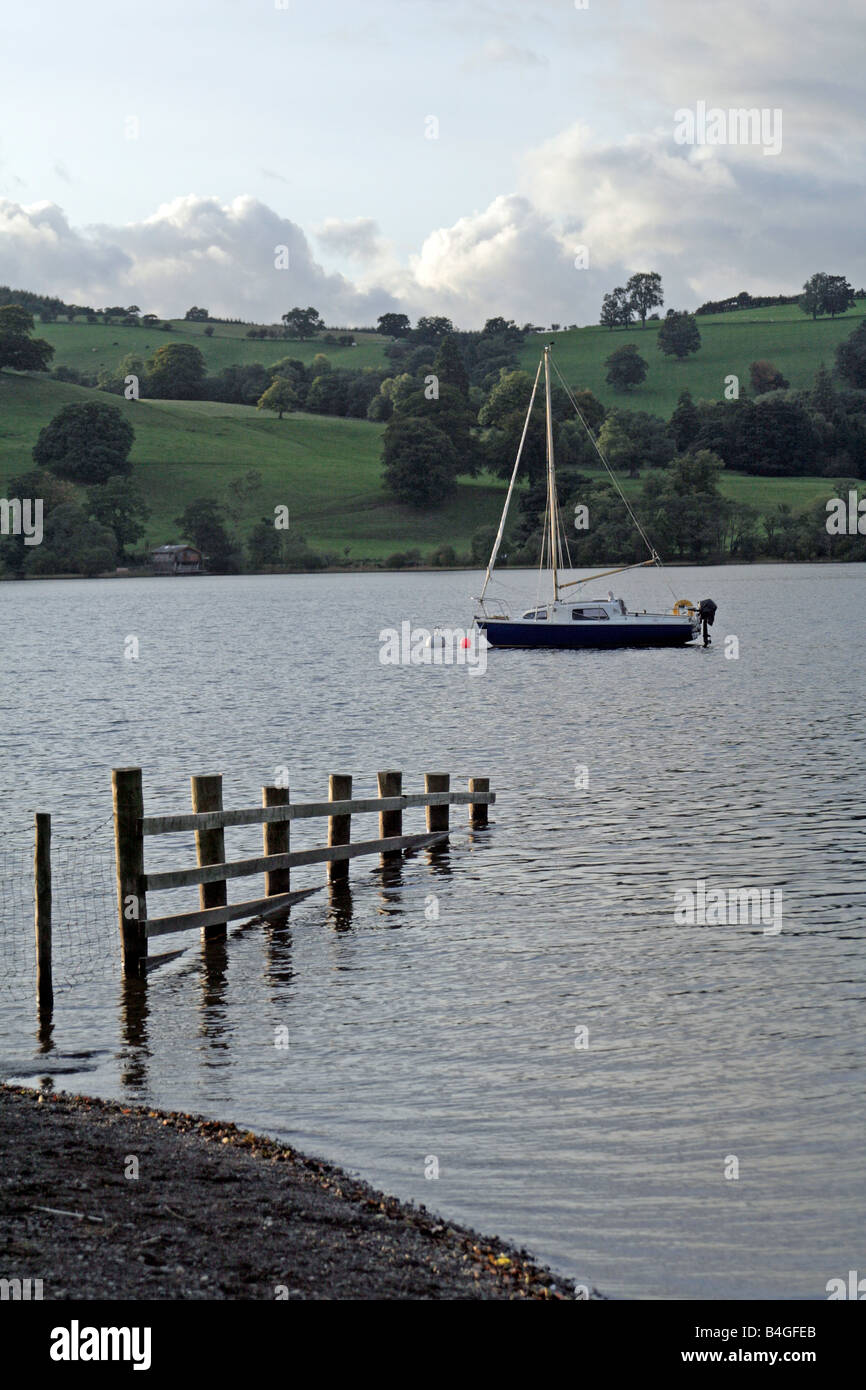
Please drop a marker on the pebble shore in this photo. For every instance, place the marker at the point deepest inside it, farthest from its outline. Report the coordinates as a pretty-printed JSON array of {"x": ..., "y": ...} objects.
[{"x": 217, "y": 1212}]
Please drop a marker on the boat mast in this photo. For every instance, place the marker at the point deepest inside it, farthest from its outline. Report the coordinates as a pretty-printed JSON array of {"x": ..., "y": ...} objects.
[{"x": 552, "y": 506}]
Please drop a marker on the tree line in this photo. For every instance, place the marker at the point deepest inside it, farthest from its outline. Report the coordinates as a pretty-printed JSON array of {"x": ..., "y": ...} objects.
[
  {"x": 822, "y": 296},
  {"x": 441, "y": 427}
]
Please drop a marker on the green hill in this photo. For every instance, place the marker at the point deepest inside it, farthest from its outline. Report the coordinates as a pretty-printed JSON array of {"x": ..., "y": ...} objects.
[
  {"x": 730, "y": 342},
  {"x": 797, "y": 345},
  {"x": 326, "y": 470}
]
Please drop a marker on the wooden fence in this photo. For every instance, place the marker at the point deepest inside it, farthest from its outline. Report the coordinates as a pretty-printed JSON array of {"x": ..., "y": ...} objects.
[{"x": 276, "y": 813}]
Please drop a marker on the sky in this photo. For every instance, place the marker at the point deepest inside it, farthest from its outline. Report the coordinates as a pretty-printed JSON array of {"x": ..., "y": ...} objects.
[{"x": 515, "y": 157}]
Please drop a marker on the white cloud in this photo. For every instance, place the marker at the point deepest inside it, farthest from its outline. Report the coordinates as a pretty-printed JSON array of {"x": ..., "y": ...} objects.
[
  {"x": 712, "y": 220},
  {"x": 193, "y": 250},
  {"x": 40, "y": 251},
  {"x": 505, "y": 259},
  {"x": 358, "y": 239}
]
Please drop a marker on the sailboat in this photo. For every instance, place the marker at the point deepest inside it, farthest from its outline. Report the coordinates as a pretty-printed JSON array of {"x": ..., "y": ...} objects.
[{"x": 581, "y": 621}]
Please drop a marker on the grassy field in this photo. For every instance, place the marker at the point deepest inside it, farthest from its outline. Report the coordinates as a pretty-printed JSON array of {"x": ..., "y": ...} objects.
[
  {"x": 763, "y": 493},
  {"x": 729, "y": 343},
  {"x": 326, "y": 470},
  {"x": 90, "y": 347}
]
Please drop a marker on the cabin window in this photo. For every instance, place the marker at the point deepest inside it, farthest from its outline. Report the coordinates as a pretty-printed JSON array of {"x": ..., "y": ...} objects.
[
  {"x": 540, "y": 613},
  {"x": 587, "y": 613}
]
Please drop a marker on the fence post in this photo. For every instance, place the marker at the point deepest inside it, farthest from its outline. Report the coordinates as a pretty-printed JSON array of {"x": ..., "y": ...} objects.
[
  {"x": 276, "y": 840},
  {"x": 207, "y": 795},
  {"x": 339, "y": 827},
  {"x": 129, "y": 857},
  {"x": 438, "y": 817},
  {"x": 478, "y": 810},
  {"x": 42, "y": 878},
  {"x": 390, "y": 822}
]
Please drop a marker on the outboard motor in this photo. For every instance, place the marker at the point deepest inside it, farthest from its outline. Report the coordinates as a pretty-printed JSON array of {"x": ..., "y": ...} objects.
[{"x": 706, "y": 613}]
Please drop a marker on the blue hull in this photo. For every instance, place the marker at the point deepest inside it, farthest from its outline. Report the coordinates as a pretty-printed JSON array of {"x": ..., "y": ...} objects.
[{"x": 574, "y": 636}]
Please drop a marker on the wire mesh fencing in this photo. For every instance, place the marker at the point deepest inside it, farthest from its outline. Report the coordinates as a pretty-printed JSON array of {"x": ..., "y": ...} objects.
[{"x": 85, "y": 938}]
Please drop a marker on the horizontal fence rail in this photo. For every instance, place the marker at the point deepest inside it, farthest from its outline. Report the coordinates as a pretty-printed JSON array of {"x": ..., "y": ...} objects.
[
  {"x": 310, "y": 810},
  {"x": 215, "y": 916},
  {"x": 239, "y": 868},
  {"x": 209, "y": 820}
]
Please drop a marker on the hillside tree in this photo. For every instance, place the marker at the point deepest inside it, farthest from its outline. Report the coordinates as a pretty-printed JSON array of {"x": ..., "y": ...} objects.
[
  {"x": 280, "y": 396},
  {"x": 826, "y": 294},
  {"x": 838, "y": 295},
  {"x": 616, "y": 309},
  {"x": 644, "y": 291},
  {"x": 86, "y": 443},
  {"x": 421, "y": 463},
  {"x": 616, "y": 445},
  {"x": 590, "y": 408},
  {"x": 303, "y": 323},
  {"x": 176, "y": 373},
  {"x": 632, "y": 439},
  {"x": 679, "y": 334},
  {"x": 685, "y": 422},
  {"x": 431, "y": 329},
  {"x": 393, "y": 325},
  {"x": 119, "y": 504},
  {"x": 327, "y": 393},
  {"x": 500, "y": 327},
  {"x": 625, "y": 368},
  {"x": 17, "y": 349},
  {"x": 452, "y": 414}
]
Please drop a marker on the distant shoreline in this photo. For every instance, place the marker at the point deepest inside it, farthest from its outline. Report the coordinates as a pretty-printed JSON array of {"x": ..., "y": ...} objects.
[{"x": 410, "y": 569}]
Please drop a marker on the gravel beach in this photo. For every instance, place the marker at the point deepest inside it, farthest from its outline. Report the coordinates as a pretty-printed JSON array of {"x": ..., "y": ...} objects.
[{"x": 216, "y": 1212}]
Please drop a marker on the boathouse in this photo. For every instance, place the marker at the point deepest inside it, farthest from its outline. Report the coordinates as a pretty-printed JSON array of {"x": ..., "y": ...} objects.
[{"x": 177, "y": 559}]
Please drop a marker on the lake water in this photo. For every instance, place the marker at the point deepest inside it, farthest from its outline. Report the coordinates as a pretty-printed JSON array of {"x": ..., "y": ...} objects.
[{"x": 436, "y": 1012}]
